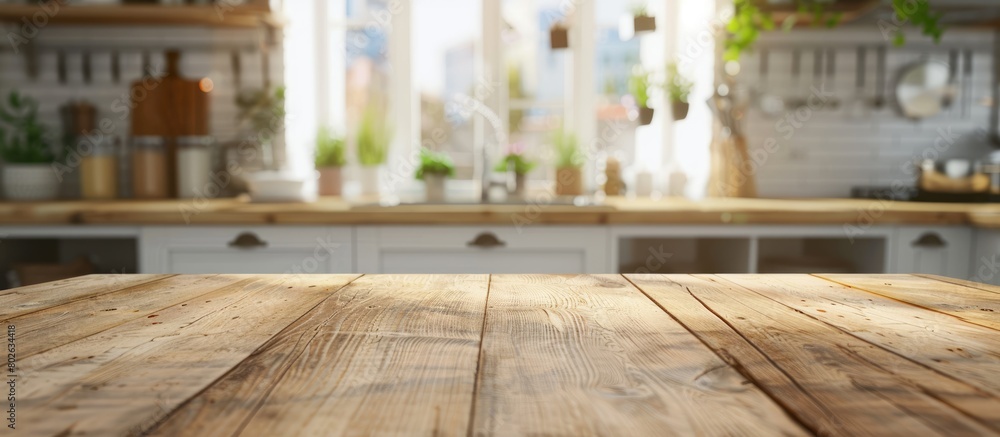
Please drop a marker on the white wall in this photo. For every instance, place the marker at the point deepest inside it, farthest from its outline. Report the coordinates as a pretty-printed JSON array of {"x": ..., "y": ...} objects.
[{"x": 834, "y": 151}]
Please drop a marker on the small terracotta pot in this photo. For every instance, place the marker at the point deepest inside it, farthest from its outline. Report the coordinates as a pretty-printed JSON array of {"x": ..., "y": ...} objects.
[
  {"x": 330, "y": 181},
  {"x": 679, "y": 110},
  {"x": 643, "y": 23},
  {"x": 559, "y": 38},
  {"x": 645, "y": 116},
  {"x": 569, "y": 181}
]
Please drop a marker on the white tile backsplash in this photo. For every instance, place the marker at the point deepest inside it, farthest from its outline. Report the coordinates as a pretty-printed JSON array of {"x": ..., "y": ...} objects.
[{"x": 834, "y": 149}]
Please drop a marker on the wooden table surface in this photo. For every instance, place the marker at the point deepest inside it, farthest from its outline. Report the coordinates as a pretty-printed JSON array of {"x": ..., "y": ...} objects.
[{"x": 506, "y": 355}]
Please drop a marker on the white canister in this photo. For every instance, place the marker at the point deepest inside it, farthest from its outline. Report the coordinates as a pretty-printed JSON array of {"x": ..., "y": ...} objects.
[
  {"x": 643, "y": 184},
  {"x": 194, "y": 168}
]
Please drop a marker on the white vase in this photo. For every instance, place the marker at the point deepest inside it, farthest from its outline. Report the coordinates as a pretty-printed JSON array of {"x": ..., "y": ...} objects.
[
  {"x": 30, "y": 182},
  {"x": 434, "y": 184},
  {"x": 369, "y": 178}
]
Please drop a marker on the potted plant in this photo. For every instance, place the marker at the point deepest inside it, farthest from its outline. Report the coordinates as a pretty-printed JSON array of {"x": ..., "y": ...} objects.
[
  {"x": 27, "y": 153},
  {"x": 373, "y": 139},
  {"x": 433, "y": 170},
  {"x": 515, "y": 161},
  {"x": 559, "y": 36},
  {"x": 569, "y": 161},
  {"x": 638, "y": 85},
  {"x": 329, "y": 160},
  {"x": 641, "y": 20},
  {"x": 679, "y": 89}
]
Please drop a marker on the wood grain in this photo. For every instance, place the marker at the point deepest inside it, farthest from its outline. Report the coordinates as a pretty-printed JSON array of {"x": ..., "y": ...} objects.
[
  {"x": 19, "y": 301},
  {"x": 61, "y": 324},
  {"x": 972, "y": 305},
  {"x": 590, "y": 355},
  {"x": 979, "y": 285},
  {"x": 123, "y": 380},
  {"x": 953, "y": 361},
  {"x": 863, "y": 397},
  {"x": 388, "y": 355}
]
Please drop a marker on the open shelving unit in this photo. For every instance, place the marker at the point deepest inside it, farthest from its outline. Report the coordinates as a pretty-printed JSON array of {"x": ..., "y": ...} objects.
[{"x": 221, "y": 15}]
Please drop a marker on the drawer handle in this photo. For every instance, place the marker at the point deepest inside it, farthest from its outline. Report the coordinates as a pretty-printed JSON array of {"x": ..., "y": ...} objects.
[
  {"x": 930, "y": 240},
  {"x": 247, "y": 240},
  {"x": 486, "y": 240}
]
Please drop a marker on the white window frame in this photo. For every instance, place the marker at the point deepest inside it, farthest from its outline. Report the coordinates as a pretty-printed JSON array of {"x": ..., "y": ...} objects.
[{"x": 580, "y": 109}]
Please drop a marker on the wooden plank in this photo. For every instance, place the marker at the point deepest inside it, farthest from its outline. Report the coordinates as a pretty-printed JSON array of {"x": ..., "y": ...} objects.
[
  {"x": 590, "y": 355},
  {"x": 125, "y": 379},
  {"x": 853, "y": 381},
  {"x": 978, "y": 285},
  {"x": 969, "y": 304},
  {"x": 19, "y": 301},
  {"x": 388, "y": 355},
  {"x": 955, "y": 361},
  {"x": 64, "y": 323}
]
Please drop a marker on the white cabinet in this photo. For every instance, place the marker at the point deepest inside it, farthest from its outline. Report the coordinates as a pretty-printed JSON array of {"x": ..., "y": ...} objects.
[
  {"x": 482, "y": 249},
  {"x": 934, "y": 250},
  {"x": 253, "y": 249},
  {"x": 985, "y": 265}
]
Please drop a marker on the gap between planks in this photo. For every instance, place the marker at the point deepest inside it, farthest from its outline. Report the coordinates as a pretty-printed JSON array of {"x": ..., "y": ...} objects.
[
  {"x": 180, "y": 406},
  {"x": 738, "y": 366}
]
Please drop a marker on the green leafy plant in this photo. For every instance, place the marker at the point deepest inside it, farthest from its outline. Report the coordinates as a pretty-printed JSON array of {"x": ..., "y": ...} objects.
[
  {"x": 263, "y": 109},
  {"x": 434, "y": 163},
  {"x": 373, "y": 138},
  {"x": 638, "y": 86},
  {"x": 516, "y": 161},
  {"x": 568, "y": 154},
  {"x": 27, "y": 142},
  {"x": 678, "y": 86},
  {"x": 330, "y": 149},
  {"x": 749, "y": 21},
  {"x": 640, "y": 10}
]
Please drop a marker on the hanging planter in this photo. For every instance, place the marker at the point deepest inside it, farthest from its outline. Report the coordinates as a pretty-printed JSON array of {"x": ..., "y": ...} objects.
[
  {"x": 679, "y": 91},
  {"x": 679, "y": 109},
  {"x": 645, "y": 115},
  {"x": 641, "y": 20},
  {"x": 559, "y": 37}
]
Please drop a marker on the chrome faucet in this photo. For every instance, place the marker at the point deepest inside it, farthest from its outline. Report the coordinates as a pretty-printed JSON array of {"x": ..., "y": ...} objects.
[{"x": 481, "y": 159}]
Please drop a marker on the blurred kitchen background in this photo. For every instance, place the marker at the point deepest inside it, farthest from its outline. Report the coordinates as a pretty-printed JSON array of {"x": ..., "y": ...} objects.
[{"x": 436, "y": 102}]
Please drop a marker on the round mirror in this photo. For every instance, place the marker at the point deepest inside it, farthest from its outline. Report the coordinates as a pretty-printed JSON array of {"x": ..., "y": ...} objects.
[{"x": 923, "y": 89}]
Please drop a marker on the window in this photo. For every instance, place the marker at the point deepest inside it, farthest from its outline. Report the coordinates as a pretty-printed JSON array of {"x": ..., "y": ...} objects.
[{"x": 423, "y": 63}]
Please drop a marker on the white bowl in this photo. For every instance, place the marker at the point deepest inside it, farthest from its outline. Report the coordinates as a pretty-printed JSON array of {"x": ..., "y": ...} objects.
[{"x": 269, "y": 186}]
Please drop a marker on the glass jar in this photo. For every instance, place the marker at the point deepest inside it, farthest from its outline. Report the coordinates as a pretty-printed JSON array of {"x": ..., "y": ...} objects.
[
  {"x": 99, "y": 171},
  {"x": 149, "y": 168},
  {"x": 194, "y": 167}
]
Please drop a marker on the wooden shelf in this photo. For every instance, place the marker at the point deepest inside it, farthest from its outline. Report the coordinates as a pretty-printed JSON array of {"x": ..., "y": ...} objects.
[{"x": 145, "y": 15}]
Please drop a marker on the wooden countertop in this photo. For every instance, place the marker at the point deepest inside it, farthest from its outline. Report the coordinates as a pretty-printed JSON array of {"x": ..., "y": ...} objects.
[
  {"x": 505, "y": 355},
  {"x": 614, "y": 210}
]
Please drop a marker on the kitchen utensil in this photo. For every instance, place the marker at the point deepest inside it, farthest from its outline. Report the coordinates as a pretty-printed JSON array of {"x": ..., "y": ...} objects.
[
  {"x": 31, "y": 62},
  {"x": 859, "y": 103},
  {"x": 967, "y": 84},
  {"x": 61, "y": 67},
  {"x": 237, "y": 66},
  {"x": 953, "y": 61},
  {"x": 831, "y": 79},
  {"x": 85, "y": 68},
  {"x": 796, "y": 100},
  {"x": 880, "y": 81},
  {"x": 921, "y": 88},
  {"x": 769, "y": 104},
  {"x": 116, "y": 67}
]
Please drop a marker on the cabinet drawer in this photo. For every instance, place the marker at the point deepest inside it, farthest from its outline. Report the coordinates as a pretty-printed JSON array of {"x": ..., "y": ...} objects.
[
  {"x": 261, "y": 249},
  {"x": 941, "y": 251},
  {"x": 482, "y": 249}
]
